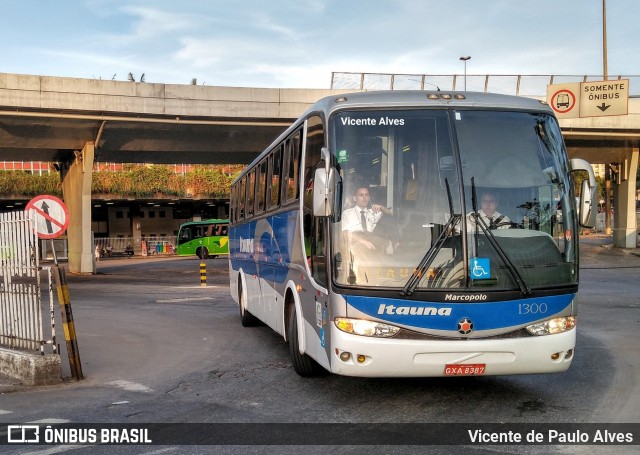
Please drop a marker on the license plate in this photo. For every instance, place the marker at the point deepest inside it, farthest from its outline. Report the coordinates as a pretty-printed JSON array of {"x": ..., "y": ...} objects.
[{"x": 465, "y": 369}]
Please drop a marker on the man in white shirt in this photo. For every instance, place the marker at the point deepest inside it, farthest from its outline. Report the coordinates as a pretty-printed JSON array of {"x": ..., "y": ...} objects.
[
  {"x": 491, "y": 217},
  {"x": 362, "y": 219}
]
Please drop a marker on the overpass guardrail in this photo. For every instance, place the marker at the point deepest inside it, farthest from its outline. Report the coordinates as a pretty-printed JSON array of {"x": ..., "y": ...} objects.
[{"x": 507, "y": 84}]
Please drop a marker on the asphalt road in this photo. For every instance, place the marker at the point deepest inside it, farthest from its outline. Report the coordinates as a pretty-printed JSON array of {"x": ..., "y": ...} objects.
[{"x": 157, "y": 347}]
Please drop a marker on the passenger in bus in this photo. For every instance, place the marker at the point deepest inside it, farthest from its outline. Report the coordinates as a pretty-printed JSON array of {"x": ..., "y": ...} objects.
[
  {"x": 364, "y": 222},
  {"x": 492, "y": 218}
]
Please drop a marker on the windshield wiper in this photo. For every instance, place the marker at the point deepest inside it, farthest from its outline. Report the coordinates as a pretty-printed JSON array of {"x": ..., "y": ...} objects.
[
  {"x": 431, "y": 253},
  {"x": 526, "y": 290}
]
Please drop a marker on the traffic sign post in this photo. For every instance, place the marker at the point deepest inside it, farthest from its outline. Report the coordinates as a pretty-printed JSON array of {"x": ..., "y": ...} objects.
[{"x": 52, "y": 219}]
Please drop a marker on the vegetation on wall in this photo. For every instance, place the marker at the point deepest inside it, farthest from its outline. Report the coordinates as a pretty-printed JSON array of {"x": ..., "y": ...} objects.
[
  {"x": 138, "y": 181},
  {"x": 14, "y": 183}
]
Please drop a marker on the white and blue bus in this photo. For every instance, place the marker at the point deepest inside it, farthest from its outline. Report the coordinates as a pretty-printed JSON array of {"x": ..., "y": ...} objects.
[{"x": 427, "y": 284}]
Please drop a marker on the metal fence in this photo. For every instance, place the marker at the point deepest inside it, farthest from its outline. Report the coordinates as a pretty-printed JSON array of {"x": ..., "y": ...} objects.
[
  {"x": 118, "y": 246},
  {"x": 21, "y": 311},
  {"x": 522, "y": 85}
]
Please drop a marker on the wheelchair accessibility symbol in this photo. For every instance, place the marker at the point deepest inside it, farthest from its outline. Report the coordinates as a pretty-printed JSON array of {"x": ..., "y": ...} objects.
[{"x": 480, "y": 268}]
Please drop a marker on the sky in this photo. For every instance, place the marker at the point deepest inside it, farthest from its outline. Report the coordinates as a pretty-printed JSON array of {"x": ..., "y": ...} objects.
[{"x": 299, "y": 43}]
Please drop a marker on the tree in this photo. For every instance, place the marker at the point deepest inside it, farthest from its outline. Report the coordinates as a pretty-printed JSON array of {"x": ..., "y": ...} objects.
[{"x": 131, "y": 78}]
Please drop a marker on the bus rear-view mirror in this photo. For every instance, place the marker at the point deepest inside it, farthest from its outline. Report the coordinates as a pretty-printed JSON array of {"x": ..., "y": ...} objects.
[
  {"x": 586, "y": 207},
  {"x": 323, "y": 192}
]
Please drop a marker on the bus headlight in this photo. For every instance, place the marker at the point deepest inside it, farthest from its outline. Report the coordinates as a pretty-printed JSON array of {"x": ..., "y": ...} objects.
[
  {"x": 365, "y": 328},
  {"x": 551, "y": 326}
]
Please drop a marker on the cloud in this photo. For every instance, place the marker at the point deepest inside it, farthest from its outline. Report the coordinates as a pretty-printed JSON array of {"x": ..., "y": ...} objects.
[{"x": 273, "y": 44}]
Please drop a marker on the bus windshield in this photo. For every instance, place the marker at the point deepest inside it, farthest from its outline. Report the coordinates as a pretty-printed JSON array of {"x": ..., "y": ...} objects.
[{"x": 476, "y": 199}]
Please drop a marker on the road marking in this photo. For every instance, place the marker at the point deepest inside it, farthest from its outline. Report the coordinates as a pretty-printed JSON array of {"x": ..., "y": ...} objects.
[
  {"x": 56, "y": 449},
  {"x": 185, "y": 299},
  {"x": 53, "y": 450},
  {"x": 196, "y": 287},
  {"x": 52, "y": 421},
  {"x": 129, "y": 386},
  {"x": 165, "y": 450},
  {"x": 3, "y": 412}
]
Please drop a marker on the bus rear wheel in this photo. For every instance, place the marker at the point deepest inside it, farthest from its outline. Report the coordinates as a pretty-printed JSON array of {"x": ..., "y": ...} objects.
[
  {"x": 302, "y": 364},
  {"x": 246, "y": 318},
  {"x": 202, "y": 253}
]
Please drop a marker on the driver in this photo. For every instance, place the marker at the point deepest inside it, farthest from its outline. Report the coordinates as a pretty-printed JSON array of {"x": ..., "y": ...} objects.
[
  {"x": 492, "y": 218},
  {"x": 362, "y": 220}
]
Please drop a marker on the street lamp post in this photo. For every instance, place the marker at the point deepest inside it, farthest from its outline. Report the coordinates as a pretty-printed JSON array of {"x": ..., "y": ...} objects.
[{"x": 464, "y": 59}]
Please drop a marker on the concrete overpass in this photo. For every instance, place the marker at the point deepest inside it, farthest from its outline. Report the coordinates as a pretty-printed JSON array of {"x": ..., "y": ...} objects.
[{"x": 78, "y": 121}]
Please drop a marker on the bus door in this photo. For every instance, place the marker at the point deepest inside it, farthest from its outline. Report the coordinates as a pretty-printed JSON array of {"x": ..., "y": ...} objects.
[{"x": 315, "y": 232}]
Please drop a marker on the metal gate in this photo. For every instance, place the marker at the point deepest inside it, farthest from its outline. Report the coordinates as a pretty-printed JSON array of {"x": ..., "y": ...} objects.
[{"x": 21, "y": 312}]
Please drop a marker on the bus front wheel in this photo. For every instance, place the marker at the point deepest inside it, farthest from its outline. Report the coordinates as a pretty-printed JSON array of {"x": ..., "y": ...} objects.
[{"x": 302, "y": 364}]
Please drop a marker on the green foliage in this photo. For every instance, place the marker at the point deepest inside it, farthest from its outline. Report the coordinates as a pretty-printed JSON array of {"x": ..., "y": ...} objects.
[
  {"x": 139, "y": 181},
  {"x": 208, "y": 182},
  {"x": 158, "y": 180},
  {"x": 27, "y": 184}
]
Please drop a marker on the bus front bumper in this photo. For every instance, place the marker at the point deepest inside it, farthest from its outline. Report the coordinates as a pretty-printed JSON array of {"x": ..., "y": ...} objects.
[{"x": 388, "y": 357}]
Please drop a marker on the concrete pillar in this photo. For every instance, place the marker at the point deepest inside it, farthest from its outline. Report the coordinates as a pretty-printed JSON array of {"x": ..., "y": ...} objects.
[
  {"x": 76, "y": 190},
  {"x": 136, "y": 231},
  {"x": 624, "y": 219}
]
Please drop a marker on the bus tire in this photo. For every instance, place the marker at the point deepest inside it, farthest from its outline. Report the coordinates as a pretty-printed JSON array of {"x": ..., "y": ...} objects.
[
  {"x": 304, "y": 365},
  {"x": 202, "y": 252},
  {"x": 246, "y": 318}
]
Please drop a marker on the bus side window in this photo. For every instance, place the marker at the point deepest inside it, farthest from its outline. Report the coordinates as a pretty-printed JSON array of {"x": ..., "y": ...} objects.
[
  {"x": 293, "y": 152},
  {"x": 251, "y": 192},
  {"x": 224, "y": 229},
  {"x": 240, "y": 198},
  {"x": 261, "y": 191},
  {"x": 232, "y": 203},
  {"x": 276, "y": 160},
  {"x": 186, "y": 235}
]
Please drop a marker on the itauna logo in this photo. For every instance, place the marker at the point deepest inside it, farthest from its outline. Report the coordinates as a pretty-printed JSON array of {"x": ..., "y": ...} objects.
[
  {"x": 413, "y": 310},
  {"x": 246, "y": 245}
]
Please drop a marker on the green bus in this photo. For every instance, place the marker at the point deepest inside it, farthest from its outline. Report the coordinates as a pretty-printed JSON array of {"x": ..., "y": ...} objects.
[{"x": 205, "y": 239}]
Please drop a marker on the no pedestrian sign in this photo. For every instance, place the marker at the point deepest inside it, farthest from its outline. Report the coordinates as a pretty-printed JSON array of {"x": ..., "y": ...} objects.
[
  {"x": 52, "y": 216},
  {"x": 589, "y": 99}
]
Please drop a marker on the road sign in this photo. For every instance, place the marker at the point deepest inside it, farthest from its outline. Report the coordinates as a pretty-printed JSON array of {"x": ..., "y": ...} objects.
[
  {"x": 564, "y": 99},
  {"x": 589, "y": 99},
  {"x": 52, "y": 216},
  {"x": 603, "y": 98}
]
